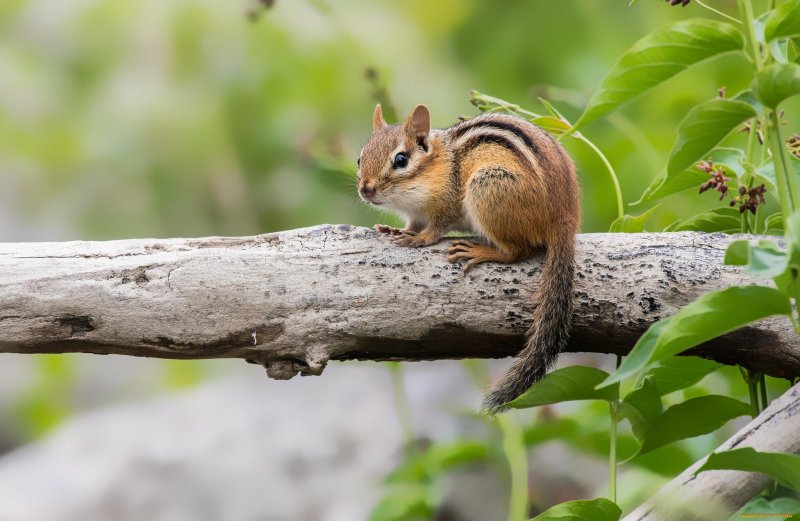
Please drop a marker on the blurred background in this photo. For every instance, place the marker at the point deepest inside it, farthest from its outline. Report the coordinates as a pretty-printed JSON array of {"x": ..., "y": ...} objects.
[{"x": 144, "y": 118}]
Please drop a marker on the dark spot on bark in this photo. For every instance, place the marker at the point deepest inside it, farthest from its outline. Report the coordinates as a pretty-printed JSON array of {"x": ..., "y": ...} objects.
[
  {"x": 136, "y": 275},
  {"x": 78, "y": 324},
  {"x": 510, "y": 291},
  {"x": 649, "y": 304},
  {"x": 669, "y": 274},
  {"x": 511, "y": 316}
]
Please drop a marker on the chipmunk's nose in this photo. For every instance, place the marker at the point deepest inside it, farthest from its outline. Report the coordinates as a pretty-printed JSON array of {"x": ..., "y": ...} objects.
[{"x": 367, "y": 192}]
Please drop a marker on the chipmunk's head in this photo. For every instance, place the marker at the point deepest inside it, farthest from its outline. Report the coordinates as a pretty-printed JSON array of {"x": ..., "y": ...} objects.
[{"x": 392, "y": 159}]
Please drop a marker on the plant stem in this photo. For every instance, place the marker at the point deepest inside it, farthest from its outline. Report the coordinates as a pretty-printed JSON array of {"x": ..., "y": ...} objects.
[
  {"x": 403, "y": 409},
  {"x": 612, "y": 453},
  {"x": 746, "y": 7},
  {"x": 514, "y": 449},
  {"x": 787, "y": 185},
  {"x": 729, "y": 17},
  {"x": 609, "y": 168},
  {"x": 762, "y": 382},
  {"x": 752, "y": 379},
  {"x": 749, "y": 167},
  {"x": 613, "y": 411}
]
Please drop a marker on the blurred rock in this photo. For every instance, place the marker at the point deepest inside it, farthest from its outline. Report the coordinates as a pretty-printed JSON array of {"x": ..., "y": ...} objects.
[{"x": 244, "y": 449}]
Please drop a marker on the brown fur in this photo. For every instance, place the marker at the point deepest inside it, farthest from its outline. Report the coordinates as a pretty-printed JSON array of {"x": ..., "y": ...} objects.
[{"x": 502, "y": 178}]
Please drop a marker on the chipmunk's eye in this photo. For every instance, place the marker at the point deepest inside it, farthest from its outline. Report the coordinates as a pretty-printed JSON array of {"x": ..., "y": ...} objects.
[
  {"x": 358, "y": 161},
  {"x": 400, "y": 160}
]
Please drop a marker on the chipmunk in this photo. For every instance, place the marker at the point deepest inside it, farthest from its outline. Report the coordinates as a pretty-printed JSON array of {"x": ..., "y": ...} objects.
[{"x": 505, "y": 180}]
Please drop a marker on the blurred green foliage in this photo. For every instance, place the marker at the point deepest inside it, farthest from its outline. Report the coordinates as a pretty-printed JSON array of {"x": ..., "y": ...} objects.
[
  {"x": 145, "y": 118},
  {"x": 47, "y": 401}
]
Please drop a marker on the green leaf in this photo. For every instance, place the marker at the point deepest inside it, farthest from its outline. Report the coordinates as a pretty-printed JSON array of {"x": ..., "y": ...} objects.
[
  {"x": 405, "y": 502},
  {"x": 551, "y": 124},
  {"x": 679, "y": 372},
  {"x": 793, "y": 47},
  {"x": 783, "y": 468},
  {"x": 640, "y": 355},
  {"x": 642, "y": 406},
  {"x": 590, "y": 435},
  {"x": 663, "y": 186},
  {"x": 692, "y": 418},
  {"x": 778, "y": 50},
  {"x": 774, "y": 222},
  {"x": 766, "y": 260},
  {"x": 710, "y": 316},
  {"x": 765, "y": 173},
  {"x": 717, "y": 313},
  {"x": 703, "y": 128},
  {"x": 737, "y": 253},
  {"x": 724, "y": 219},
  {"x": 783, "y": 21},
  {"x": 776, "y": 83},
  {"x": 551, "y": 109},
  {"x": 763, "y": 259},
  {"x": 576, "y": 382},
  {"x": 789, "y": 281},
  {"x": 758, "y": 507},
  {"x": 632, "y": 223},
  {"x": 444, "y": 457},
  {"x": 657, "y": 57},
  {"x": 599, "y": 509}
]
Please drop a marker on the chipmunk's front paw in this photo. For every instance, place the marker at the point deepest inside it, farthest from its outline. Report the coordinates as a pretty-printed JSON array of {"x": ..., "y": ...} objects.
[{"x": 388, "y": 229}]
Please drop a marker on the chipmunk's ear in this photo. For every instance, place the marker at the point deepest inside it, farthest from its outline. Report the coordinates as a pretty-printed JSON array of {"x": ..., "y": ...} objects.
[
  {"x": 377, "y": 118},
  {"x": 418, "y": 126}
]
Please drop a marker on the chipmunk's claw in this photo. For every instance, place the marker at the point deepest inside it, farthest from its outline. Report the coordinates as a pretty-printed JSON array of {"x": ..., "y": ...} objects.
[
  {"x": 409, "y": 239},
  {"x": 389, "y": 230}
]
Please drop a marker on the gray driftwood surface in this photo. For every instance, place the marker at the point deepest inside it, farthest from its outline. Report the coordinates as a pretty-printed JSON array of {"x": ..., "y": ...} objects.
[
  {"x": 295, "y": 300},
  {"x": 717, "y": 494}
]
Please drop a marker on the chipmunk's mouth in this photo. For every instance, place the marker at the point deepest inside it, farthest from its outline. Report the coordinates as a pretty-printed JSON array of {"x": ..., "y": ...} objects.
[{"x": 371, "y": 199}]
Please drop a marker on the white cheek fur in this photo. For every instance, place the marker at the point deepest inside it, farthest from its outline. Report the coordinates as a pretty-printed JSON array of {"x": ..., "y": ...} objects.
[{"x": 410, "y": 201}]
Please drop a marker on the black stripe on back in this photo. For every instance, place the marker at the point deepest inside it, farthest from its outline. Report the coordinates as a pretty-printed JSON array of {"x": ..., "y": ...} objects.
[
  {"x": 502, "y": 125},
  {"x": 496, "y": 139}
]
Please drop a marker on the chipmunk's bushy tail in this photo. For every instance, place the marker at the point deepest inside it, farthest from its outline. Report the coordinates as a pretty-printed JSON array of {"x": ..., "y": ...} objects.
[{"x": 549, "y": 332}]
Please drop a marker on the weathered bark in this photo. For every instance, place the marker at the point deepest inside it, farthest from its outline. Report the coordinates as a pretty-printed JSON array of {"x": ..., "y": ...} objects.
[
  {"x": 294, "y": 300},
  {"x": 717, "y": 494}
]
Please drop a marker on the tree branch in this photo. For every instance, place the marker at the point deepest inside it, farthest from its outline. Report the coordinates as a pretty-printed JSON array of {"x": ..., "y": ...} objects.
[
  {"x": 717, "y": 494},
  {"x": 294, "y": 300}
]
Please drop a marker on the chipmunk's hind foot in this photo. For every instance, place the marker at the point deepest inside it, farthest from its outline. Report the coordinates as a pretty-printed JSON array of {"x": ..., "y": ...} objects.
[{"x": 476, "y": 253}]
